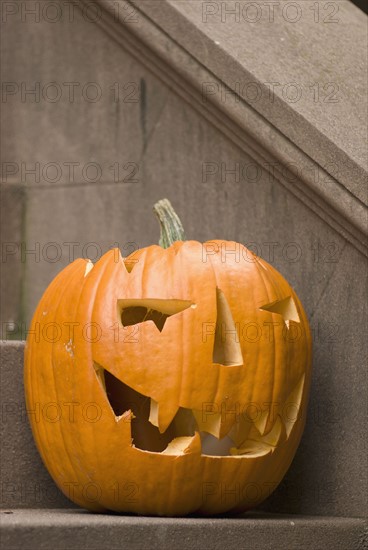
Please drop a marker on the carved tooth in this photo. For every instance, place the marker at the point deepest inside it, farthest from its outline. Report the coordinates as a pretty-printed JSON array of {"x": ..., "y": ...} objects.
[
  {"x": 227, "y": 425},
  {"x": 252, "y": 449},
  {"x": 161, "y": 417},
  {"x": 153, "y": 417},
  {"x": 273, "y": 437},
  {"x": 208, "y": 422},
  {"x": 166, "y": 414},
  {"x": 183, "y": 445},
  {"x": 256, "y": 445},
  {"x": 261, "y": 421},
  {"x": 240, "y": 430},
  {"x": 127, "y": 416},
  {"x": 217, "y": 424}
]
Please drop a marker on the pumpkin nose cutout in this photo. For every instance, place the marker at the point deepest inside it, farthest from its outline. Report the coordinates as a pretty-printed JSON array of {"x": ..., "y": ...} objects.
[
  {"x": 134, "y": 311},
  {"x": 226, "y": 348}
]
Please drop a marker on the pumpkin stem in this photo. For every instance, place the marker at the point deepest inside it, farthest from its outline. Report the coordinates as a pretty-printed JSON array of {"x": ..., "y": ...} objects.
[{"x": 170, "y": 224}]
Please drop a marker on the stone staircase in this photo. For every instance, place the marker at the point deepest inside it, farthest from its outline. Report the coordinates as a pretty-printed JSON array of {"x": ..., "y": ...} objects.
[{"x": 255, "y": 130}]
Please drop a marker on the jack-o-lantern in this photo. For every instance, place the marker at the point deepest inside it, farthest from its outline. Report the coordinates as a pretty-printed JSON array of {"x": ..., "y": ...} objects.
[{"x": 172, "y": 381}]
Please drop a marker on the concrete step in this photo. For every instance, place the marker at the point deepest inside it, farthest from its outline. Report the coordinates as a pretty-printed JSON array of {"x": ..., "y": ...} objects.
[{"x": 64, "y": 529}]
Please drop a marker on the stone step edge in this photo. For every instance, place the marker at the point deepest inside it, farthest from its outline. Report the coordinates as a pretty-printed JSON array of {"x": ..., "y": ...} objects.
[{"x": 62, "y": 529}]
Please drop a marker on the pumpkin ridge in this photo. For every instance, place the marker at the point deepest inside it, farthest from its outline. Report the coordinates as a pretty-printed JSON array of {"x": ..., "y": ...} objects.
[
  {"x": 64, "y": 276},
  {"x": 68, "y": 288}
]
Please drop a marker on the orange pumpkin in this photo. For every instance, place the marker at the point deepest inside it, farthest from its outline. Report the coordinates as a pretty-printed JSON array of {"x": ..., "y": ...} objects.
[{"x": 171, "y": 381}]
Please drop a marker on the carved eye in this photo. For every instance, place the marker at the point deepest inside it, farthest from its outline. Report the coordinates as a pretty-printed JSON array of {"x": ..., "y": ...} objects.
[
  {"x": 286, "y": 308},
  {"x": 136, "y": 311}
]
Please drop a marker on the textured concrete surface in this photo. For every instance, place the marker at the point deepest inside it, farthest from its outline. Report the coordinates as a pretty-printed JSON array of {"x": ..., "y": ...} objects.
[
  {"x": 12, "y": 213},
  {"x": 66, "y": 529},
  {"x": 25, "y": 481},
  {"x": 317, "y": 184},
  {"x": 243, "y": 46},
  {"x": 327, "y": 477}
]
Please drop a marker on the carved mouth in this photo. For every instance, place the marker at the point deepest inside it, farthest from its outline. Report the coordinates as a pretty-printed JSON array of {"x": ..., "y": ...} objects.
[{"x": 243, "y": 437}]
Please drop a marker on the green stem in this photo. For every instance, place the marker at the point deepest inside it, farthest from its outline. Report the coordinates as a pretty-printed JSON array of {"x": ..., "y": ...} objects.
[{"x": 170, "y": 224}]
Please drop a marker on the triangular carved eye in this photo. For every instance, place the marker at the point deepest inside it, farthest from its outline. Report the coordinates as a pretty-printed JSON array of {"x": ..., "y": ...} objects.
[
  {"x": 226, "y": 349},
  {"x": 136, "y": 311},
  {"x": 286, "y": 308}
]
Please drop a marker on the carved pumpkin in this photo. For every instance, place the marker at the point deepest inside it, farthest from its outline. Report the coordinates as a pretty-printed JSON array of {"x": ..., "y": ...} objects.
[{"x": 169, "y": 382}]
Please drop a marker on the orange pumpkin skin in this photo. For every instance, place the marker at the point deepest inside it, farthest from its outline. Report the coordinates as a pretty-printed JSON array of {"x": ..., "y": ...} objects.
[{"x": 229, "y": 355}]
